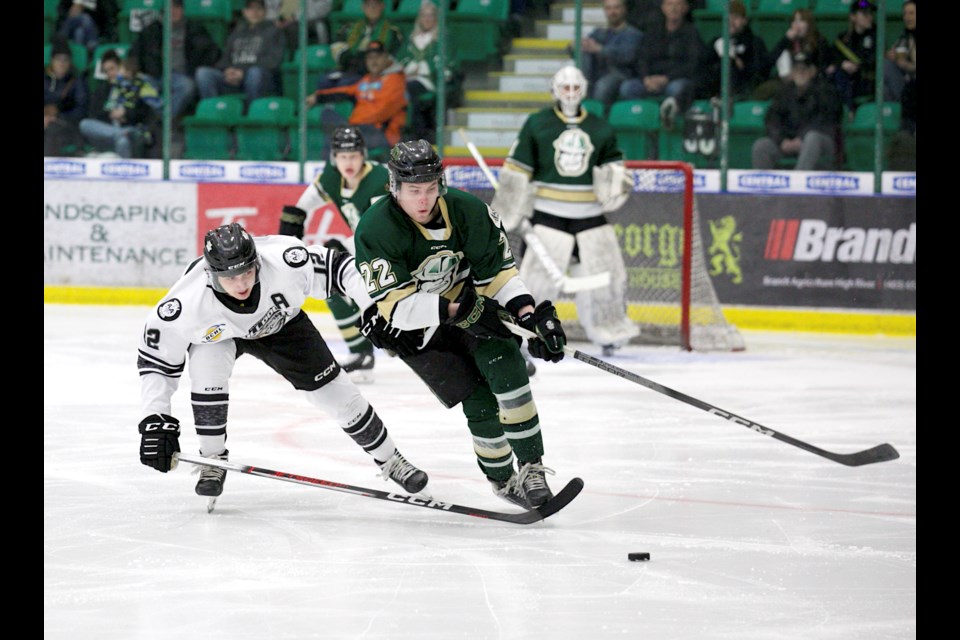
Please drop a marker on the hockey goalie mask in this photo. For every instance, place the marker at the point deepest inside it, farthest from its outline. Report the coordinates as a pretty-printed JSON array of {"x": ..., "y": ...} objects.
[
  {"x": 569, "y": 89},
  {"x": 229, "y": 251},
  {"x": 415, "y": 161}
]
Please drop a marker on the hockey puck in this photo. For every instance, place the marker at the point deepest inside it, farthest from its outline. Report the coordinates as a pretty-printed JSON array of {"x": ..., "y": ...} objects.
[{"x": 638, "y": 557}]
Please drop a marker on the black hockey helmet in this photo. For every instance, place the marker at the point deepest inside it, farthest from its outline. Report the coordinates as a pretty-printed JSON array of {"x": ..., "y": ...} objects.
[
  {"x": 347, "y": 138},
  {"x": 415, "y": 161},
  {"x": 229, "y": 251}
]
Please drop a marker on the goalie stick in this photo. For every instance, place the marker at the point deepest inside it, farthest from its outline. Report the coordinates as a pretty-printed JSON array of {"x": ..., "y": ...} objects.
[
  {"x": 555, "y": 504},
  {"x": 880, "y": 453},
  {"x": 567, "y": 283}
]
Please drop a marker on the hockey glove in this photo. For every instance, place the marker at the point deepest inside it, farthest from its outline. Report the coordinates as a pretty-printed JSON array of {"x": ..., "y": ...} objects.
[
  {"x": 379, "y": 331},
  {"x": 159, "y": 440},
  {"x": 478, "y": 315},
  {"x": 335, "y": 244},
  {"x": 550, "y": 340},
  {"x": 291, "y": 221}
]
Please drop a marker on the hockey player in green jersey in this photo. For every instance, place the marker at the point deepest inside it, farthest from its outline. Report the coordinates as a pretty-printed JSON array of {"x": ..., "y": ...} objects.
[
  {"x": 439, "y": 269},
  {"x": 352, "y": 182},
  {"x": 563, "y": 173}
]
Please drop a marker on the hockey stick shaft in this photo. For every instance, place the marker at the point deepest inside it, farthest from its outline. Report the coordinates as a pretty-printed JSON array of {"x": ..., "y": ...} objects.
[
  {"x": 528, "y": 517},
  {"x": 880, "y": 453},
  {"x": 567, "y": 284}
]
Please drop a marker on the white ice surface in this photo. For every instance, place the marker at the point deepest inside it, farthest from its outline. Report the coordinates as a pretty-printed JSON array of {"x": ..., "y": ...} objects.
[{"x": 750, "y": 537}]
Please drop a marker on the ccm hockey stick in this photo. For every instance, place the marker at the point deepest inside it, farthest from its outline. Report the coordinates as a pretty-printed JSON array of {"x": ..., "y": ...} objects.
[
  {"x": 567, "y": 283},
  {"x": 880, "y": 453},
  {"x": 558, "y": 502}
]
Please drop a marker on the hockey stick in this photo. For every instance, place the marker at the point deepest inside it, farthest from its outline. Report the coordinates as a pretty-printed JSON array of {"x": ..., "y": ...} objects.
[
  {"x": 880, "y": 453},
  {"x": 558, "y": 502},
  {"x": 567, "y": 283}
]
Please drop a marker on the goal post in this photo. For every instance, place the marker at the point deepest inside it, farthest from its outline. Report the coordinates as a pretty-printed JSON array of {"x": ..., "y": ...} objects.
[{"x": 670, "y": 293}]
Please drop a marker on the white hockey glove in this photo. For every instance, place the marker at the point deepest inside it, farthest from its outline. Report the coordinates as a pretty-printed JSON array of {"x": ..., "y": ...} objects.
[{"x": 612, "y": 184}]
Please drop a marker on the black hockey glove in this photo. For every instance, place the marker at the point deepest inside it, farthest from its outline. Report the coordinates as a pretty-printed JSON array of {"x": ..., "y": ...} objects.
[
  {"x": 478, "y": 315},
  {"x": 291, "y": 221},
  {"x": 159, "y": 440},
  {"x": 333, "y": 243},
  {"x": 384, "y": 335},
  {"x": 550, "y": 340}
]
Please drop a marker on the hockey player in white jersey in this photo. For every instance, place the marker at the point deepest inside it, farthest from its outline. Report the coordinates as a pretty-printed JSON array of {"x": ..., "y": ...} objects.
[{"x": 245, "y": 296}]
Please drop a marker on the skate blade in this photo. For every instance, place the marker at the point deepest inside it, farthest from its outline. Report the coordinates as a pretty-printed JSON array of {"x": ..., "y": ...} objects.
[{"x": 211, "y": 503}]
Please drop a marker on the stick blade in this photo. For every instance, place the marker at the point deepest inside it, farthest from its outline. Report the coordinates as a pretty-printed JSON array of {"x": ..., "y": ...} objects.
[
  {"x": 562, "y": 499},
  {"x": 880, "y": 453}
]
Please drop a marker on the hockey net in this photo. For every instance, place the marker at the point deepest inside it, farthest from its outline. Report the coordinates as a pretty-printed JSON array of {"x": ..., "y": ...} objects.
[{"x": 670, "y": 294}]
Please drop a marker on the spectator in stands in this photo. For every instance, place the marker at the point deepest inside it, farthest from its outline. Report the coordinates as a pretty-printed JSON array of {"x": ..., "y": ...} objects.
[
  {"x": 88, "y": 22},
  {"x": 900, "y": 69},
  {"x": 667, "y": 61},
  {"x": 802, "y": 36},
  {"x": 802, "y": 121},
  {"x": 251, "y": 58},
  {"x": 289, "y": 23},
  {"x": 381, "y": 104},
  {"x": 609, "y": 53},
  {"x": 64, "y": 102},
  {"x": 748, "y": 59},
  {"x": 856, "y": 52},
  {"x": 192, "y": 47},
  {"x": 354, "y": 39},
  {"x": 647, "y": 14},
  {"x": 420, "y": 59},
  {"x": 124, "y": 115}
]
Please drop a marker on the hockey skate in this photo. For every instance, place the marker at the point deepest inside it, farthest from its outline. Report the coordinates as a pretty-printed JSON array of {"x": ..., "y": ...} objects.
[
  {"x": 532, "y": 483},
  {"x": 397, "y": 468},
  {"x": 509, "y": 491},
  {"x": 609, "y": 350},
  {"x": 360, "y": 368},
  {"x": 211, "y": 481}
]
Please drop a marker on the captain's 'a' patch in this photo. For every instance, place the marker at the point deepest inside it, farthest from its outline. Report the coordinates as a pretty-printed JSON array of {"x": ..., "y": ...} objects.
[{"x": 295, "y": 256}]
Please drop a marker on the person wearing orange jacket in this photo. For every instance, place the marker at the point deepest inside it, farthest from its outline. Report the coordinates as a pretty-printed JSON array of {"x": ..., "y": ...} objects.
[{"x": 380, "y": 108}]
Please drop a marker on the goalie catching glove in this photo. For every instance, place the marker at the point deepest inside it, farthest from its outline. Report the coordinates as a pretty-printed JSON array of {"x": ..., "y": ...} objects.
[
  {"x": 381, "y": 332},
  {"x": 612, "y": 184},
  {"x": 159, "y": 440},
  {"x": 478, "y": 315},
  {"x": 551, "y": 339}
]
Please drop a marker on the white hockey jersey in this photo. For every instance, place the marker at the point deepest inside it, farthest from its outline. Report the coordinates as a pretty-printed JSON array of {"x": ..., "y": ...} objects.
[{"x": 191, "y": 313}]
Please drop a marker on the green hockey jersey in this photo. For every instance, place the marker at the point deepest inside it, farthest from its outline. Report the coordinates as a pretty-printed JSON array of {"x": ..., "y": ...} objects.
[
  {"x": 329, "y": 187},
  {"x": 558, "y": 155},
  {"x": 408, "y": 267}
]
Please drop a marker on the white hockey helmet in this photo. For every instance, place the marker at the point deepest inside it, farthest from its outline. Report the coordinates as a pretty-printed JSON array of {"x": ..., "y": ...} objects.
[{"x": 569, "y": 88}]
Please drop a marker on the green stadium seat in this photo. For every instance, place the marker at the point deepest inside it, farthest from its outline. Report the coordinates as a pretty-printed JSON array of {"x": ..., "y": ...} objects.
[
  {"x": 315, "y": 136},
  {"x": 405, "y": 14},
  {"x": 208, "y": 134},
  {"x": 262, "y": 133},
  {"x": 49, "y": 18},
  {"x": 80, "y": 55},
  {"x": 319, "y": 60},
  {"x": 135, "y": 15},
  {"x": 215, "y": 15},
  {"x": 636, "y": 123},
  {"x": 859, "y": 134},
  {"x": 594, "y": 106},
  {"x": 670, "y": 142},
  {"x": 477, "y": 29},
  {"x": 350, "y": 11},
  {"x": 746, "y": 125},
  {"x": 709, "y": 19}
]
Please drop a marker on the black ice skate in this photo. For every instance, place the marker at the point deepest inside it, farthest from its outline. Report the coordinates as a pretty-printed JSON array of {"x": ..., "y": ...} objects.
[
  {"x": 397, "y": 468},
  {"x": 509, "y": 490},
  {"x": 212, "y": 478},
  {"x": 532, "y": 483},
  {"x": 363, "y": 362}
]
